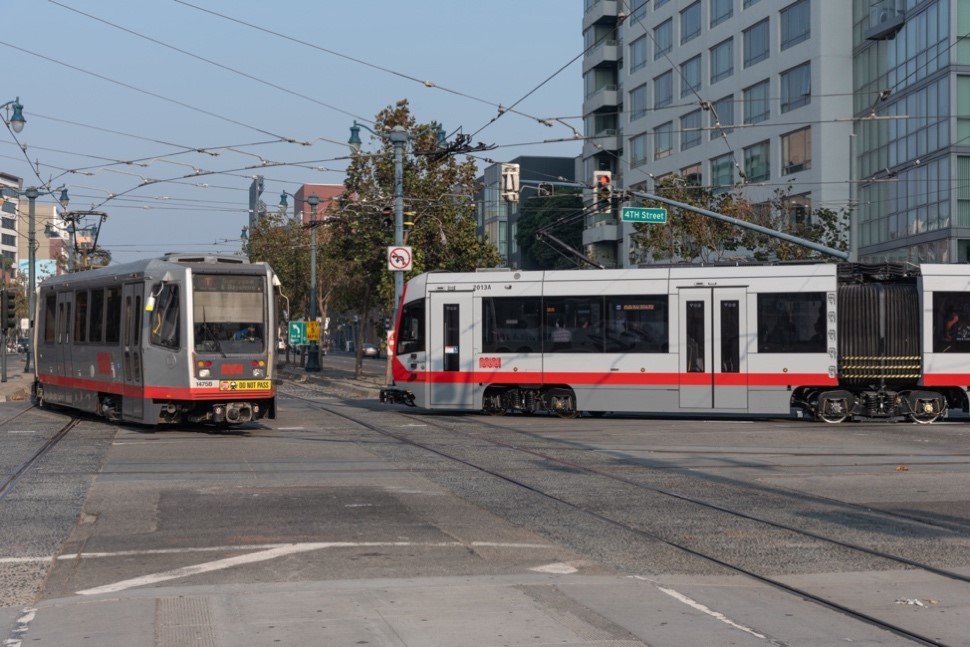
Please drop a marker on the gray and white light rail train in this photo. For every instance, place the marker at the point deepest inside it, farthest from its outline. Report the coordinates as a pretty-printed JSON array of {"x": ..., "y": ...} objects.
[
  {"x": 831, "y": 341},
  {"x": 184, "y": 338}
]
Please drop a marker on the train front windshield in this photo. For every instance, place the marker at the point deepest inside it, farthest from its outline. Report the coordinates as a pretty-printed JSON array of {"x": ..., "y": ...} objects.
[{"x": 229, "y": 313}]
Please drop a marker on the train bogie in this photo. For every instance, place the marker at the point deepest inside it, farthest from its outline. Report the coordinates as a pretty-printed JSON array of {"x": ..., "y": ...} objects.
[
  {"x": 184, "y": 339},
  {"x": 826, "y": 341}
]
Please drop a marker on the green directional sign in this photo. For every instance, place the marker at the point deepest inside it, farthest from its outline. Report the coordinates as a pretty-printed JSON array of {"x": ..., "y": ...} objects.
[
  {"x": 297, "y": 333},
  {"x": 643, "y": 214}
]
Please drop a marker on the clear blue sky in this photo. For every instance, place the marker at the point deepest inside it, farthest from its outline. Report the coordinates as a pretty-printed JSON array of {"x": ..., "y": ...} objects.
[{"x": 96, "y": 95}]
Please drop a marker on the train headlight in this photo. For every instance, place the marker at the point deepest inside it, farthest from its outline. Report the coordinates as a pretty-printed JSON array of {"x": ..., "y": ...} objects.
[
  {"x": 204, "y": 372},
  {"x": 258, "y": 372}
]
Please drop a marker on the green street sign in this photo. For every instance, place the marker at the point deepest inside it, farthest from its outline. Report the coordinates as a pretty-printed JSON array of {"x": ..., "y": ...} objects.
[
  {"x": 297, "y": 333},
  {"x": 642, "y": 214}
]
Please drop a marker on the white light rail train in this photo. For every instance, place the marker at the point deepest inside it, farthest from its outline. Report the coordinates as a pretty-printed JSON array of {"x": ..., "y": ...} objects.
[
  {"x": 829, "y": 341},
  {"x": 181, "y": 339}
]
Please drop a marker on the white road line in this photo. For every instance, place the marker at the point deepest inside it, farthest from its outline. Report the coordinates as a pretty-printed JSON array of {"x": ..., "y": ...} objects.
[
  {"x": 271, "y": 551},
  {"x": 680, "y": 597}
]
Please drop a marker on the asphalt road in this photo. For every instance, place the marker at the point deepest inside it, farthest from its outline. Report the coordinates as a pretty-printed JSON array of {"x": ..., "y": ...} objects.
[{"x": 344, "y": 521}]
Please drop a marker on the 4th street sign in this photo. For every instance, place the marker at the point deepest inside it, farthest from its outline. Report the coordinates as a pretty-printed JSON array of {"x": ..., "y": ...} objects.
[{"x": 642, "y": 214}]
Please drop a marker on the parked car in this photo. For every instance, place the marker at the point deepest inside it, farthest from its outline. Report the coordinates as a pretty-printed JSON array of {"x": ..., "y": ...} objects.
[{"x": 368, "y": 349}]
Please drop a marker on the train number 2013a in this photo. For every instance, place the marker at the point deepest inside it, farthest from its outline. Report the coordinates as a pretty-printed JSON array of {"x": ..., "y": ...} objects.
[{"x": 489, "y": 362}]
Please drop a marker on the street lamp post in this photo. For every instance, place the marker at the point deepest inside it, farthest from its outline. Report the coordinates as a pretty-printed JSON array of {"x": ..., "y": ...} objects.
[
  {"x": 32, "y": 194},
  {"x": 398, "y": 137},
  {"x": 313, "y": 352}
]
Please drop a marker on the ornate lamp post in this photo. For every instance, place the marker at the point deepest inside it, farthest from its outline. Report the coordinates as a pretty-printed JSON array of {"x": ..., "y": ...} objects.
[
  {"x": 16, "y": 121},
  {"x": 398, "y": 137}
]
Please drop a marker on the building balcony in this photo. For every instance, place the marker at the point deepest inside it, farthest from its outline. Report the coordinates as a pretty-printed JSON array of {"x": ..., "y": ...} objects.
[
  {"x": 605, "y": 230},
  {"x": 599, "y": 11},
  {"x": 607, "y": 97},
  {"x": 607, "y": 53},
  {"x": 608, "y": 139}
]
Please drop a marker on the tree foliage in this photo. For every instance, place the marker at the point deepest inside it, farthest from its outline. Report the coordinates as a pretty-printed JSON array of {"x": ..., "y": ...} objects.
[
  {"x": 562, "y": 215},
  {"x": 690, "y": 237}
]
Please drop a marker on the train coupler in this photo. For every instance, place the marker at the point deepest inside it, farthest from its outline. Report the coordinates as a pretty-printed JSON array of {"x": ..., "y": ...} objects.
[{"x": 397, "y": 396}]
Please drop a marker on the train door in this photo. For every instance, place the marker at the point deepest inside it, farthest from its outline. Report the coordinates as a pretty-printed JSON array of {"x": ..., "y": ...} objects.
[
  {"x": 450, "y": 352},
  {"x": 131, "y": 318},
  {"x": 713, "y": 355},
  {"x": 64, "y": 323}
]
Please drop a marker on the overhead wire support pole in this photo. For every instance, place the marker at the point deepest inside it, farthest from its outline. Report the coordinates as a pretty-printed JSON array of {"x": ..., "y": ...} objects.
[{"x": 825, "y": 249}]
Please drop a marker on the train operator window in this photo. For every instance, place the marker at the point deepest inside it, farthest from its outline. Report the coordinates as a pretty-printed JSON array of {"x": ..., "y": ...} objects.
[
  {"x": 229, "y": 313},
  {"x": 165, "y": 317},
  {"x": 791, "y": 322},
  {"x": 410, "y": 336}
]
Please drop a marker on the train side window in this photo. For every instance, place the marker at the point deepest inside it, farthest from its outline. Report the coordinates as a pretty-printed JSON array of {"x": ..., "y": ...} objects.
[
  {"x": 165, "y": 317},
  {"x": 50, "y": 312},
  {"x": 410, "y": 336},
  {"x": 791, "y": 322},
  {"x": 511, "y": 325},
  {"x": 573, "y": 324},
  {"x": 951, "y": 322},
  {"x": 637, "y": 324},
  {"x": 80, "y": 316},
  {"x": 96, "y": 316},
  {"x": 112, "y": 315}
]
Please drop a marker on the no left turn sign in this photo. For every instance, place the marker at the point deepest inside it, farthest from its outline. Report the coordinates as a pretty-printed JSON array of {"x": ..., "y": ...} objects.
[{"x": 399, "y": 258}]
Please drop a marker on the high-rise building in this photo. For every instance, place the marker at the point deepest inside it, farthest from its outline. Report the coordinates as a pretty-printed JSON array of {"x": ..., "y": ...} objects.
[{"x": 852, "y": 106}]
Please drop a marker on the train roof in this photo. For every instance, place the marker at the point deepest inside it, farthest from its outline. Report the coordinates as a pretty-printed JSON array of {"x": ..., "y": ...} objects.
[{"x": 153, "y": 268}]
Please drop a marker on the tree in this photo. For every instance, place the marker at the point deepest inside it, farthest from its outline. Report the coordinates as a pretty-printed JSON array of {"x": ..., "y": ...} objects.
[
  {"x": 541, "y": 212},
  {"x": 690, "y": 236},
  {"x": 687, "y": 235},
  {"x": 438, "y": 201}
]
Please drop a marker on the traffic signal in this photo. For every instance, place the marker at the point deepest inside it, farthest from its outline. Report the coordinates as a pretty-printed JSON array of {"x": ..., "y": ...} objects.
[
  {"x": 603, "y": 186},
  {"x": 510, "y": 182},
  {"x": 9, "y": 311}
]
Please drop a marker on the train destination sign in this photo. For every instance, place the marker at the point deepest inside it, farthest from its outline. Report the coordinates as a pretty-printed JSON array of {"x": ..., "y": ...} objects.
[{"x": 643, "y": 214}]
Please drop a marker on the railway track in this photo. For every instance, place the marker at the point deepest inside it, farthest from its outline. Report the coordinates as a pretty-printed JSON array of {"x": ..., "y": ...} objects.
[
  {"x": 545, "y": 456},
  {"x": 9, "y": 481}
]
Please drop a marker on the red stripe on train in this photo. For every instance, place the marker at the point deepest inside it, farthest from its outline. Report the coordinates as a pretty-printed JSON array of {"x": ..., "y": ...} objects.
[{"x": 750, "y": 380}]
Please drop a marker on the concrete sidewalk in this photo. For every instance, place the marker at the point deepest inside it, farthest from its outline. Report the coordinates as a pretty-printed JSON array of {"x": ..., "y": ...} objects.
[{"x": 17, "y": 384}]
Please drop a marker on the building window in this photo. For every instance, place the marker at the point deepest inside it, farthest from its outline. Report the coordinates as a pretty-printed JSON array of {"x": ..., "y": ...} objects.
[
  {"x": 722, "y": 60},
  {"x": 797, "y": 209},
  {"x": 748, "y": 3},
  {"x": 756, "y": 43},
  {"x": 796, "y": 87},
  {"x": 692, "y": 175},
  {"x": 638, "y": 53},
  {"x": 722, "y": 173},
  {"x": 757, "y": 167},
  {"x": 756, "y": 103},
  {"x": 8, "y": 239},
  {"x": 663, "y": 38},
  {"x": 663, "y": 89},
  {"x": 796, "y": 151},
  {"x": 690, "y": 22},
  {"x": 722, "y": 116},
  {"x": 663, "y": 140},
  {"x": 658, "y": 3},
  {"x": 721, "y": 10},
  {"x": 638, "y": 102},
  {"x": 10, "y": 223},
  {"x": 638, "y": 150},
  {"x": 639, "y": 11},
  {"x": 796, "y": 24},
  {"x": 690, "y": 76},
  {"x": 690, "y": 130}
]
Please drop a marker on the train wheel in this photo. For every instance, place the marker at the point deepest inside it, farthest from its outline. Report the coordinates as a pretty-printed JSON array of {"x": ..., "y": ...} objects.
[
  {"x": 926, "y": 411},
  {"x": 493, "y": 404},
  {"x": 562, "y": 403},
  {"x": 832, "y": 410}
]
